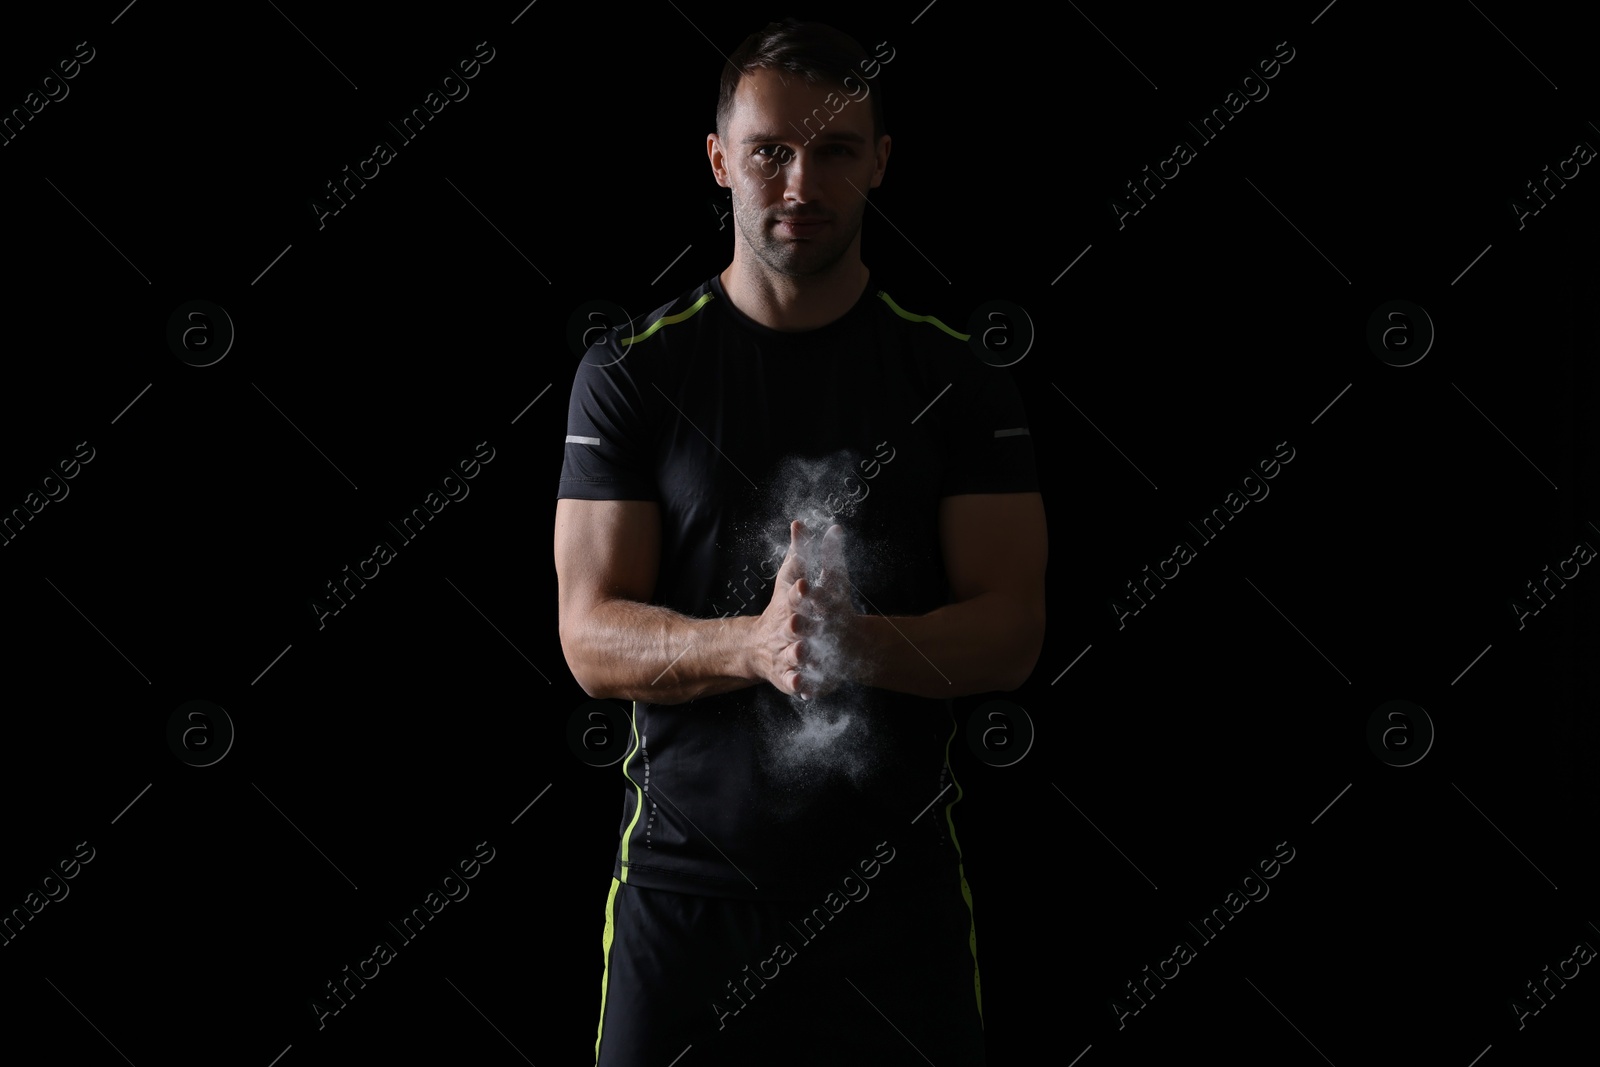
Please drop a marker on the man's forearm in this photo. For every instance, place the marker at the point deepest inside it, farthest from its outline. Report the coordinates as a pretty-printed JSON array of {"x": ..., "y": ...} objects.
[
  {"x": 626, "y": 650},
  {"x": 987, "y": 644}
]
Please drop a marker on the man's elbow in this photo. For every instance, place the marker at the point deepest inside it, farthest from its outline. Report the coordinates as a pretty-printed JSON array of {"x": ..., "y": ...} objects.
[
  {"x": 594, "y": 686},
  {"x": 572, "y": 652},
  {"x": 1029, "y": 643},
  {"x": 589, "y": 684},
  {"x": 1010, "y": 683}
]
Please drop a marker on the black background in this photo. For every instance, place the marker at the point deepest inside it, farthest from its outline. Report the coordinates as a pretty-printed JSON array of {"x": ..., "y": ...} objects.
[{"x": 378, "y": 350}]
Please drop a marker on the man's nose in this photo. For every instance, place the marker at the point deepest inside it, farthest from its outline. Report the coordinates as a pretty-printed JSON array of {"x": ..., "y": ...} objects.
[{"x": 800, "y": 179}]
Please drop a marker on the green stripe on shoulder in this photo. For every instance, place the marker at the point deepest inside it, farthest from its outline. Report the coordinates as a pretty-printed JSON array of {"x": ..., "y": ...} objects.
[
  {"x": 668, "y": 320},
  {"x": 904, "y": 314}
]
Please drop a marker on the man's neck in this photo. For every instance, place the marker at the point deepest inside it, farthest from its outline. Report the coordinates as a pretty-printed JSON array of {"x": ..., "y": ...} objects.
[{"x": 795, "y": 304}]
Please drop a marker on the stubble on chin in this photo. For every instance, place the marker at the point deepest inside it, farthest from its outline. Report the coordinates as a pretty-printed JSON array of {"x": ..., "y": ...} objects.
[{"x": 801, "y": 258}]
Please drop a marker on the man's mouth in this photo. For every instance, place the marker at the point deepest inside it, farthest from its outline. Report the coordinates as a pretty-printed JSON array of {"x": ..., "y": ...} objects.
[{"x": 801, "y": 227}]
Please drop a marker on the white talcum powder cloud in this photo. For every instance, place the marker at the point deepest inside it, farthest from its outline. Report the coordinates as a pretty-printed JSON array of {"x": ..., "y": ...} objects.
[{"x": 809, "y": 742}]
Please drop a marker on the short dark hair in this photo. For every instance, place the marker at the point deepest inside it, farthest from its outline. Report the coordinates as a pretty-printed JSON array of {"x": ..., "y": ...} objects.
[{"x": 813, "y": 50}]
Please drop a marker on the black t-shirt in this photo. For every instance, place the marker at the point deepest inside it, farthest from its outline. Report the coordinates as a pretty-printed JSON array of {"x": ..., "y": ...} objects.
[{"x": 734, "y": 429}]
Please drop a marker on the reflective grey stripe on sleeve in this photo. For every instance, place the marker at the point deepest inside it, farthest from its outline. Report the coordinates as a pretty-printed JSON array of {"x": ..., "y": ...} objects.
[
  {"x": 574, "y": 439},
  {"x": 1019, "y": 431}
]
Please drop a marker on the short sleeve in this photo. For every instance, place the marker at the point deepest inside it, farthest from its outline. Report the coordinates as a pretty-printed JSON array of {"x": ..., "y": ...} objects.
[
  {"x": 990, "y": 446},
  {"x": 608, "y": 452}
]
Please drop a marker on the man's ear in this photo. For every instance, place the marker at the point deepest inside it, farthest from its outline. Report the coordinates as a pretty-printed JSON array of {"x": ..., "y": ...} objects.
[
  {"x": 883, "y": 161},
  {"x": 719, "y": 161}
]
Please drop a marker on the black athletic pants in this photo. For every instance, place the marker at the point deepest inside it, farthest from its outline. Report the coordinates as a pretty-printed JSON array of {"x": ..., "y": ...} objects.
[{"x": 885, "y": 976}]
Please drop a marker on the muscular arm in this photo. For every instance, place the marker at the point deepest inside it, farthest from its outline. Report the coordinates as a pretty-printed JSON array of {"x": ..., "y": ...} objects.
[
  {"x": 620, "y": 646},
  {"x": 617, "y": 644},
  {"x": 988, "y": 639}
]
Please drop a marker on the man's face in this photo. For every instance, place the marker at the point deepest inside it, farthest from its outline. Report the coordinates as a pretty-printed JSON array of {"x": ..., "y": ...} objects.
[{"x": 799, "y": 159}]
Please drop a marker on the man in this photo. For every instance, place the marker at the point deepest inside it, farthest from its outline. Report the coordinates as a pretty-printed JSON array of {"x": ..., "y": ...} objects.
[{"x": 794, "y": 521}]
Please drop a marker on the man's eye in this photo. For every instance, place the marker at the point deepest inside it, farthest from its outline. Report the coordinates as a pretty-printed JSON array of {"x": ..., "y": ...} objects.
[{"x": 772, "y": 150}]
